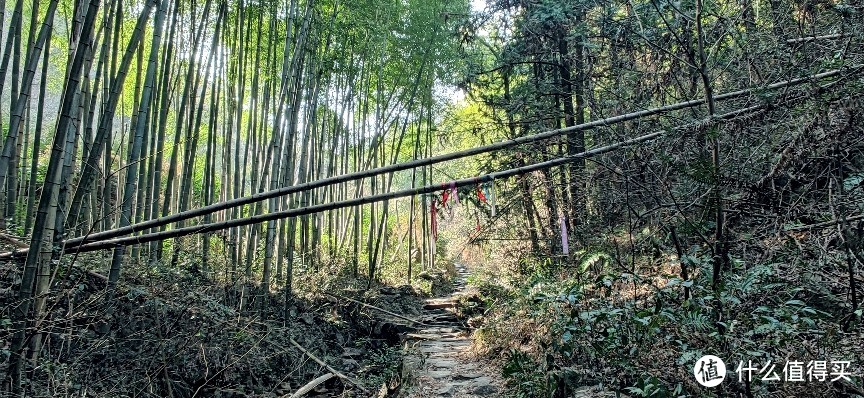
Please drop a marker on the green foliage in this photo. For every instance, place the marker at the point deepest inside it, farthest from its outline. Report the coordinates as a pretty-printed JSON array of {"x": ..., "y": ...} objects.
[
  {"x": 653, "y": 387},
  {"x": 384, "y": 365},
  {"x": 521, "y": 373},
  {"x": 648, "y": 346},
  {"x": 594, "y": 261}
]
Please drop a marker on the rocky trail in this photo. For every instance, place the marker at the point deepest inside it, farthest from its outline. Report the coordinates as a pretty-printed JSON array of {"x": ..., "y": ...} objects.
[{"x": 439, "y": 354}]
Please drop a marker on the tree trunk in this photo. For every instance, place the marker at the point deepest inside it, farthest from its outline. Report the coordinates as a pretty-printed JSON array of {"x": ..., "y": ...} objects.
[
  {"x": 41, "y": 240},
  {"x": 134, "y": 155}
]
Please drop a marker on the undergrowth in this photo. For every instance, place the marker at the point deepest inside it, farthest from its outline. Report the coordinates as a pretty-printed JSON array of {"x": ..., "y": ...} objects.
[
  {"x": 176, "y": 333},
  {"x": 561, "y": 327}
]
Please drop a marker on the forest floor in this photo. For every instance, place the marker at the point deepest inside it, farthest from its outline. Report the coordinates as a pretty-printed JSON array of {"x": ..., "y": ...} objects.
[{"x": 439, "y": 356}]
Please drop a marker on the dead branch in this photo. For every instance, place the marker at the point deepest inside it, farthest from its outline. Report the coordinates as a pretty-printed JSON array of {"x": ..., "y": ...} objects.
[
  {"x": 326, "y": 366},
  {"x": 824, "y": 224},
  {"x": 812, "y": 38},
  {"x": 377, "y": 308},
  {"x": 14, "y": 240},
  {"x": 310, "y": 385}
]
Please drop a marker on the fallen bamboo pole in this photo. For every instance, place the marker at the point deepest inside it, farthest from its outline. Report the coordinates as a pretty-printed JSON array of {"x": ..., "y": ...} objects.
[
  {"x": 79, "y": 245},
  {"x": 157, "y": 222},
  {"x": 71, "y": 248},
  {"x": 199, "y": 229},
  {"x": 310, "y": 385},
  {"x": 326, "y": 366},
  {"x": 812, "y": 38}
]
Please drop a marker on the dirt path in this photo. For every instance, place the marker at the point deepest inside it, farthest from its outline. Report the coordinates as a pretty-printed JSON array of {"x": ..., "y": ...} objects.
[{"x": 441, "y": 359}]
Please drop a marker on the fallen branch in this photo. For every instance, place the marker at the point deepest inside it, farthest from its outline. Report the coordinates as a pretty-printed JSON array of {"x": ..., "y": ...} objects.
[
  {"x": 310, "y": 385},
  {"x": 195, "y": 394},
  {"x": 14, "y": 240},
  {"x": 812, "y": 38},
  {"x": 377, "y": 308},
  {"x": 326, "y": 366},
  {"x": 97, "y": 275},
  {"x": 823, "y": 224}
]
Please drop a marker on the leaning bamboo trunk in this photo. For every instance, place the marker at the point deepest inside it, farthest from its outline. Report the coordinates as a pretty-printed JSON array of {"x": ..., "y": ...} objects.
[
  {"x": 90, "y": 167},
  {"x": 20, "y": 101},
  {"x": 164, "y": 98},
  {"x": 43, "y": 224},
  {"x": 37, "y": 139},
  {"x": 135, "y": 150}
]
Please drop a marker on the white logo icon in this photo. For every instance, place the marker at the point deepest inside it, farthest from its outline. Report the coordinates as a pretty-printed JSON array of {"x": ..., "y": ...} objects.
[{"x": 709, "y": 371}]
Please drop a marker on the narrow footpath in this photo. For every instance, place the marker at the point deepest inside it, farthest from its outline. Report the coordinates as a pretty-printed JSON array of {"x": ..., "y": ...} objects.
[{"x": 441, "y": 359}]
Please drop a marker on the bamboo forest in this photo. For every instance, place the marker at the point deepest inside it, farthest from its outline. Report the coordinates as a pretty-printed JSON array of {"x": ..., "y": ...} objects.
[{"x": 432, "y": 198}]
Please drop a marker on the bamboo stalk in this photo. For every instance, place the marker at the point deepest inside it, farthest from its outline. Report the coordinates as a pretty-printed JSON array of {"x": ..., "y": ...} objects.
[
  {"x": 310, "y": 385},
  {"x": 228, "y": 204},
  {"x": 812, "y": 38},
  {"x": 130, "y": 240},
  {"x": 326, "y": 366}
]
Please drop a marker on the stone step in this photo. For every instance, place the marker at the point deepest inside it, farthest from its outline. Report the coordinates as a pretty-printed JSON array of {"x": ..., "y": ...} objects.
[
  {"x": 457, "y": 332},
  {"x": 450, "y": 350},
  {"x": 431, "y": 323},
  {"x": 443, "y": 324},
  {"x": 467, "y": 376},
  {"x": 445, "y": 317},
  {"x": 442, "y": 363},
  {"x": 438, "y": 330},
  {"x": 438, "y": 305},
  {"x": 423, "y": 336},
  {"x": 444, "y": 345}
]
